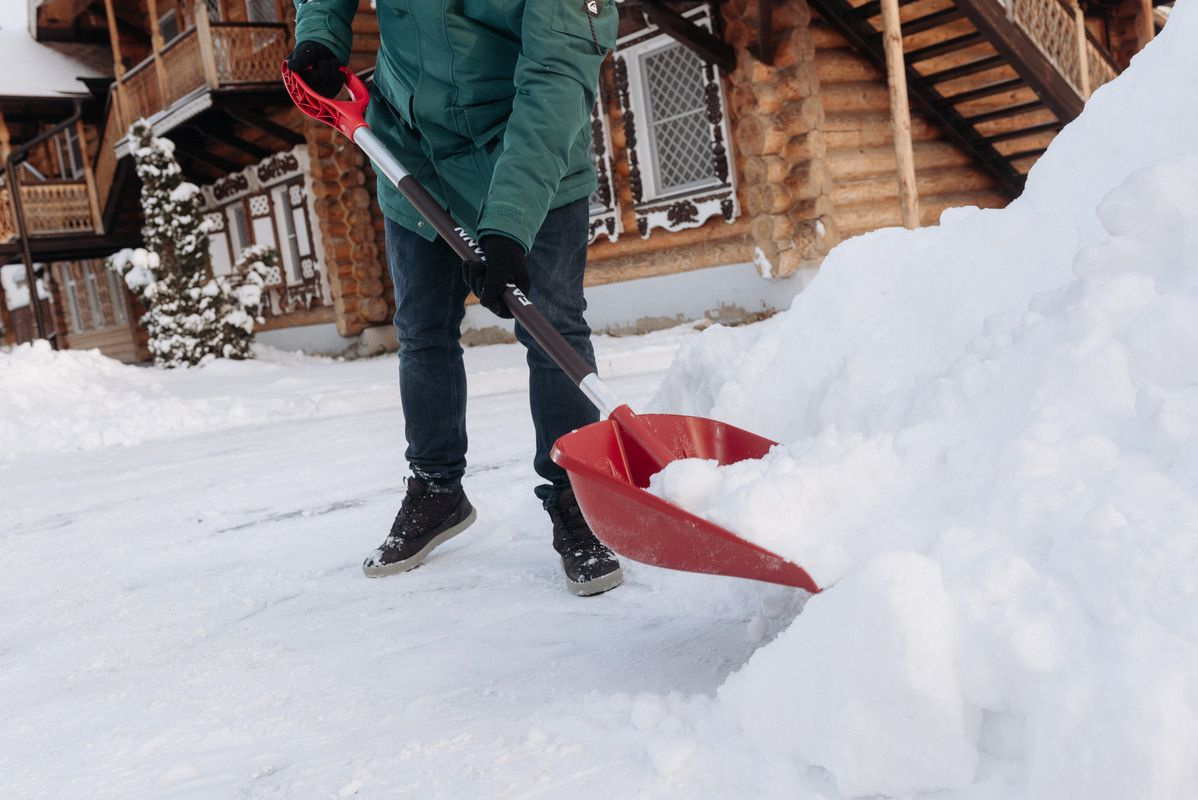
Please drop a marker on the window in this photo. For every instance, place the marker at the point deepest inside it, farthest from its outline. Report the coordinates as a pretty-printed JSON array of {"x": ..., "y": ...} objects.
[
  {"x": 70, "y": 153},
  {"x": 676, "y": 126},
  {"x": 116, "y": 292},
  {"x": 262, "y": 10},
  {"x": 93, "y": 295},
  {"x": 239, "y": 229},
  {"x": 73, "y": 309}
]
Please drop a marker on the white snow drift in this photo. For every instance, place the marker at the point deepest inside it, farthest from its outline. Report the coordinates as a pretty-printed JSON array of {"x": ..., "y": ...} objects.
[{"x": 990, "y": 454}]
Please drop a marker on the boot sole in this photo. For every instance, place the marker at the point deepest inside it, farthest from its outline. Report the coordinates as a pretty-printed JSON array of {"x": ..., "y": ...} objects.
[
  {"x": 416, "y": 560},
  {"x": 603, "y": 583}
]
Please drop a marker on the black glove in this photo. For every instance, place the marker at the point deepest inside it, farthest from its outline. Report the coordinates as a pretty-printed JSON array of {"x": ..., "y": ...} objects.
[
  {"x": 318, "y": 68},
  {"x": 504, "y": 266}
]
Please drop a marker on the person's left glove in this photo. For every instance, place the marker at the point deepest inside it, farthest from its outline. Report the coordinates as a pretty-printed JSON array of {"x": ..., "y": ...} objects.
[
  {"x": 504, "y": 266},
  {"x": 318, "y": 67}
]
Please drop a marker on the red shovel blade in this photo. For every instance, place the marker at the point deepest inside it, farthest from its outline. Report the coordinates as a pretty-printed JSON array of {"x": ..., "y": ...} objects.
[{"x": 609, "y": 471}]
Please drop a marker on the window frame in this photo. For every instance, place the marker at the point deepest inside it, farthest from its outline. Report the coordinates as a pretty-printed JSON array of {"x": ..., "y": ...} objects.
[{"x": 687, "y": 206}]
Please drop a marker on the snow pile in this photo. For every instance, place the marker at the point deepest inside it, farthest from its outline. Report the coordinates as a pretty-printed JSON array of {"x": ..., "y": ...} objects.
[
  {"x": 990, "y": 453},
  {"x": 80, "y": 399}
]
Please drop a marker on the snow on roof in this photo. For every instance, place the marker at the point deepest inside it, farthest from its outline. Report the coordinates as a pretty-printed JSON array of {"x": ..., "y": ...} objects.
[{"x": 29, "y": 68}]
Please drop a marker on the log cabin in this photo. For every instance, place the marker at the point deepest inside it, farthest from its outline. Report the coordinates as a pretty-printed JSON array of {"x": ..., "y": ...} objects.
[{"x": 736, "y": 142}]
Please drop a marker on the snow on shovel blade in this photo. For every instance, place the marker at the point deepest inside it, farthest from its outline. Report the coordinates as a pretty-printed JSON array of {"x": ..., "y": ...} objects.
[{"x": 609, "y": 472}]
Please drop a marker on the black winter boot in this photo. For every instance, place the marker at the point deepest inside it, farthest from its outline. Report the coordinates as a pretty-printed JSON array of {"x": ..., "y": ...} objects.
[
  {"x": 429, "y": 516},
  {"x": 590, "y": 567}
]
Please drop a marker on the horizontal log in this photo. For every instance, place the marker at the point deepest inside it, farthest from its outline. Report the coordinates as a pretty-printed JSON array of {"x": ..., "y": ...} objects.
[
  {"x": 806, "y": 147},
  {"x": 842, "y": 98}
]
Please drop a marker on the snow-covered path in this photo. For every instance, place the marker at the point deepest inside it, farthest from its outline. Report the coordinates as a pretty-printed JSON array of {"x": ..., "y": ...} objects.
[{"x": 186, "y": 617}]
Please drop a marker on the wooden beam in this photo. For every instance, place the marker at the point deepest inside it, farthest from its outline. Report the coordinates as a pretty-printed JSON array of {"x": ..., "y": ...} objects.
[
  {"x": 5, "y": 138},
  {"x": 114, "y": 34},
  {"x": 704, "y": 44},
  {"x": 221, "y": 128},
  {"x": 266, "y": 125},
  {"x": 900, "y": 113}
]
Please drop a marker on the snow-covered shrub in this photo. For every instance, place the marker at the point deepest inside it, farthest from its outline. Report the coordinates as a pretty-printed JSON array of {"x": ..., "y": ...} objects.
[{"x": 191, "y": 316}]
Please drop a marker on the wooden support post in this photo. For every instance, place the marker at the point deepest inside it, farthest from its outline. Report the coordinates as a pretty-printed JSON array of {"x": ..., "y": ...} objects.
[
  {"x": 204, "y": 32},
  {"x": 114, "y": 36},
  {"x": 1147, "y": 23},
  {"x": 1083, "y": 52},
  {"x": 900, "y": 113},
  {"x": 10, "y": 336}
]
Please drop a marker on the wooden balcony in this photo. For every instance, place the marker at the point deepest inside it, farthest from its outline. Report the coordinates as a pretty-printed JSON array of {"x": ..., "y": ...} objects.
[
  {"x": 52, "y": 208},
  {"x": 207, "y": 58}
]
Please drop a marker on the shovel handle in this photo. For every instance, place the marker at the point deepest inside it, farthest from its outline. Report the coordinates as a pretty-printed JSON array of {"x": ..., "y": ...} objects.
[{"x": 348, "y": 117}]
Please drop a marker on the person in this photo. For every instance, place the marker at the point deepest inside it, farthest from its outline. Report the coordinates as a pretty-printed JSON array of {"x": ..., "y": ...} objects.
[{"x": 488, "y": 105}]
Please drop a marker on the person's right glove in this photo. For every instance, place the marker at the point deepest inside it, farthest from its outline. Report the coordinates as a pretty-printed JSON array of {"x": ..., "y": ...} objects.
[
  {"x": 504, "y": 265},
  {"x": 318, "y": 67}
]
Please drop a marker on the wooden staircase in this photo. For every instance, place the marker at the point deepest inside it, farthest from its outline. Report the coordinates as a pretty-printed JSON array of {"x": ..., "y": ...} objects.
[{"x": 1000, "y": 78}]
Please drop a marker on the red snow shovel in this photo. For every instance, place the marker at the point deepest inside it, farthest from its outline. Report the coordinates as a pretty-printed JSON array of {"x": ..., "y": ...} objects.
[{"x": 609, "y": 462}]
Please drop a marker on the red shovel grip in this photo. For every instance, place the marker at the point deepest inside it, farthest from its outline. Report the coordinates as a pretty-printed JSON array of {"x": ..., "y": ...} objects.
[{"x": 344, "y": 115}]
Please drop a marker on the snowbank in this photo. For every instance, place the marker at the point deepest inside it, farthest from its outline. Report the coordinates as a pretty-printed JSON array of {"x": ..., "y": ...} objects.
[
  {"x": 990, "y": 454},
  {"x": 80, "y": 399}
]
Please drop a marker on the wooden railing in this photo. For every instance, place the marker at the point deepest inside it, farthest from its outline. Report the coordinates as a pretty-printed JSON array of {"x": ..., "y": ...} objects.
[
  {"x": 1058, "y": 29},
  {"x": 211, "y": 54},
  {"x": 248, "y": 52},
  {"x": 54, "y": 207}
]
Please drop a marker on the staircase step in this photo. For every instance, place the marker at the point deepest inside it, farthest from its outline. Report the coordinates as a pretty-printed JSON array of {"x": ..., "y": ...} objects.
[
  {"x": 933, "y": 20},
  {"x": 981, "y": 65},
  {"x": 1019, "y": 133},
  {"x": 945, "y": 47},
  {"x": 985, "y": 91},
  {"x": 1003, "y": 113},
  {"x": 1038, "y": 151}
]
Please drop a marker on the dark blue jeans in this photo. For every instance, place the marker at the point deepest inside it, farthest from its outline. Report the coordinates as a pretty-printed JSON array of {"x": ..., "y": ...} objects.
[{"x": 430, "y": 296}]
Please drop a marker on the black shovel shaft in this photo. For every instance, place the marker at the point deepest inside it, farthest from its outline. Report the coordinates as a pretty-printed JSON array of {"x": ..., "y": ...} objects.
[{"x": 467, "y": 249}]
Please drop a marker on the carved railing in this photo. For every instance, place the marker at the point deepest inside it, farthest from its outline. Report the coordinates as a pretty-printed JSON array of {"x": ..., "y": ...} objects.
[
  {"x": 248, "y": 53},
  {"x": 214, "y": 54},
  {"x": 58, "y": 207},
  {"x": 182, "y": 67},
  {"x": 8, "y": 221},
  {"x": 1058, "y": 29}
]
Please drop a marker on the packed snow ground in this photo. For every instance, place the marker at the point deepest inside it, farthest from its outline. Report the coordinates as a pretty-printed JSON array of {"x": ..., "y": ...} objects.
[
  {"x": 990, "y": 455},
  {"x": 183, "y": 614}
]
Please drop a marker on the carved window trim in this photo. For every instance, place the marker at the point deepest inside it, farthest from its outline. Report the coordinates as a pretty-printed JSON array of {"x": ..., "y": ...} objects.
[
  {"x": 689, "y": 208},
  {"x": 605, "y": 203}
]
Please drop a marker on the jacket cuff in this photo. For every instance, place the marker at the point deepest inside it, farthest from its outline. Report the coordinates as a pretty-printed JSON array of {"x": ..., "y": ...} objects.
[
  {"x": 507, "y": 219},
  {"x": 329, "y": 31}
]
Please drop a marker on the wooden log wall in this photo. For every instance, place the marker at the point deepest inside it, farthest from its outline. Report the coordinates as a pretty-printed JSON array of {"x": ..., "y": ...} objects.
[{"x": 349, "y": 219}]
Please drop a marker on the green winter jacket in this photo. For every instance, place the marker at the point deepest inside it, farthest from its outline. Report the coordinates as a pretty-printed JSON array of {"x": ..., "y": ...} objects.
[{"x": 486, "y": 102}]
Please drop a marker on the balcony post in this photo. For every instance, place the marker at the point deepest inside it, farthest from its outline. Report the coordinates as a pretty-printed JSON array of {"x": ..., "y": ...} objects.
[
  {"x": 204, "y": 32},
  {"x": 156, "y": 42},
  {"x": 1083, "y": 52}
]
